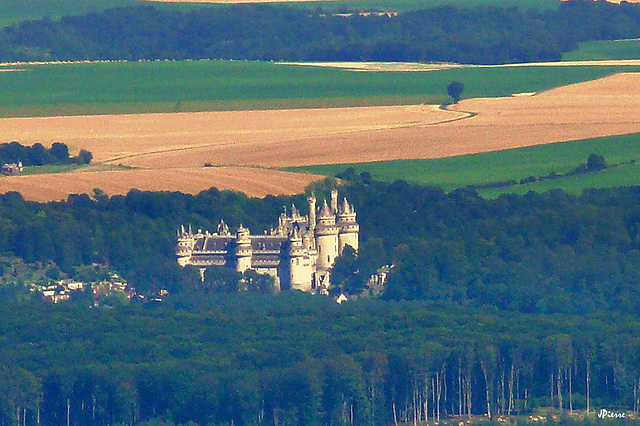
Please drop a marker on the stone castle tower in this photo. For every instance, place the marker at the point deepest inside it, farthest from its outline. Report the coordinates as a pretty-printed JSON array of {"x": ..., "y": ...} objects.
[{"x": 299, "y": 254}]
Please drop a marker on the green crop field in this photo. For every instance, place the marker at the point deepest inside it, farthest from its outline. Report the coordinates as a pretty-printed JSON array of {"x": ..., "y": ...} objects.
[
  {"x": 514, "y": 164},
  {"x": 601, "y": 50},
  {"x": 20, "y": 10},
  {"x": 623, "y": 175},
  {"x": 167, "y": 86}
]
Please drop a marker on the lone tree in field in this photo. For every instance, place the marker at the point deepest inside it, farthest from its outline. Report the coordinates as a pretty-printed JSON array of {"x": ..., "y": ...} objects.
[
  {"x": 595, "y": 163},
  {"x": 455, "y": 89}
]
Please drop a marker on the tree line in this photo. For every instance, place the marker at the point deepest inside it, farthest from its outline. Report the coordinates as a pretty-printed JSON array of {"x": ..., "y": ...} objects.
[
  {"x": 38, "y": 155},
  {"x": 537, "y": 253},
  {"x": 297, "y": 359},
  {"x": 482, "y": 35}
]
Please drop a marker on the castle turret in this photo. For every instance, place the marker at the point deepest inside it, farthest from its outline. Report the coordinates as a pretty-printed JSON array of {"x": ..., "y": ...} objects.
[
  {"x": 334, "y": 201},
  {"x": 312, "y": 212},
  {"x": 243, "y": 251},
  {"x": 184, "y": 246},
  {"x": 299, "y": 264},
  {"x": 349, "y": 228},
  {"x": 326, "y": 238}
]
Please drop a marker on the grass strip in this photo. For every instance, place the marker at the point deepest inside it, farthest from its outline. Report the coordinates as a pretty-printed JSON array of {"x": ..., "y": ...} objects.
[{"x": 513, "y": 164}]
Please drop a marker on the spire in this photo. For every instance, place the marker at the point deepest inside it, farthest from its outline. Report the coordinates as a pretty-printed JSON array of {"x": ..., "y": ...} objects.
[
  {"x": 346, "y": 208},
  {"x": 223, "y": 228},
  {"x": 295, "y": 249},
  {"x": 325, "y": 212},
  {"x": 312, "y": 212}
]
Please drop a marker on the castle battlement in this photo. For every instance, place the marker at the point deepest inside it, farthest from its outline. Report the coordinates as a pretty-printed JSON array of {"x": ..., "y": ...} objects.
[{"x": 299, "y": 254}]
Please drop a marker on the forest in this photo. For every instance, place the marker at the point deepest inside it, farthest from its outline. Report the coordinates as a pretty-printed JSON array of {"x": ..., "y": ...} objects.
[
  {"x": 299, "y": 359},
  {"x": 482, "y": 35},
  {"x": 510, "y": 306},
  {"x": 538, "y": 253}
]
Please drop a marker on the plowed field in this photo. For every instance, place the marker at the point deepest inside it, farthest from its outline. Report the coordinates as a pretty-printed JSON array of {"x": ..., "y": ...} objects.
[{"x": 168, "y": 151}]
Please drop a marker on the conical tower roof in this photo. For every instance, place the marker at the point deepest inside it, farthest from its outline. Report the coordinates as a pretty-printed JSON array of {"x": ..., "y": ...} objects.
[
  {"x": 346, "y": 207},
  {"x": 295, "y": 235},
  {"x": 326, "y": 211}
]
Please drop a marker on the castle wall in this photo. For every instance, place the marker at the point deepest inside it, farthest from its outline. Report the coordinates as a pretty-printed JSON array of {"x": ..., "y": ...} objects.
[
  {"x": 300, "y": 273},
  {"x": 243, "y": 264},
  {"x": 345, "y": 239}
]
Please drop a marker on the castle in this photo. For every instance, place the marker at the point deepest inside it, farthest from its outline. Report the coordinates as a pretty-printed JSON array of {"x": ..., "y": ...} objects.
[{"x": 299, "y": 254}]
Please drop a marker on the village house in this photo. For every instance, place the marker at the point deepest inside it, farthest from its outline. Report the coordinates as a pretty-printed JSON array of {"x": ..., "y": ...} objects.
[{"x": 10, "y": 169}]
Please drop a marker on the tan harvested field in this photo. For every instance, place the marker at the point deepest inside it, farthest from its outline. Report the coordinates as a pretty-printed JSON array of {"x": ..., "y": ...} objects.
[
  {"x": 380, "y": 66},
  {"x": 151, "y": 137},
  {"x": 228, "y": 1},
  {"x": 168, "y": 151},
  {"x": 422, "y": 67},
  {"x": 599, "y": 108},
  {"x": 253, "y": 182}
]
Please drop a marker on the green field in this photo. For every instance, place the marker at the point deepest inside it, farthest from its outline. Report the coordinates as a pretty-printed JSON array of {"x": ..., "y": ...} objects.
[
  {"x": 601, "y": 50},
  {"x": 514, "y": 164},
  {"x": 20, "y": 10},
  {"x": 52, "y": 168},
  {"x": 167, "y": 86}
]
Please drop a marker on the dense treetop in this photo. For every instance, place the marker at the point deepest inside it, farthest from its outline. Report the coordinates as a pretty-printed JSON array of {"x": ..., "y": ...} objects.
[
  {"x": 38, "y": 155},
  {"x": 483, "y": 35},
  {"x": 300, "y": 359},
  {"x": 492, "y": 307},
  {"x": 549, "y": 252}
]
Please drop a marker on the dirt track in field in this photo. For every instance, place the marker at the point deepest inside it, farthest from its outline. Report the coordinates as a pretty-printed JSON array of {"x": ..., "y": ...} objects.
[{"x": 168, "y": 151}]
